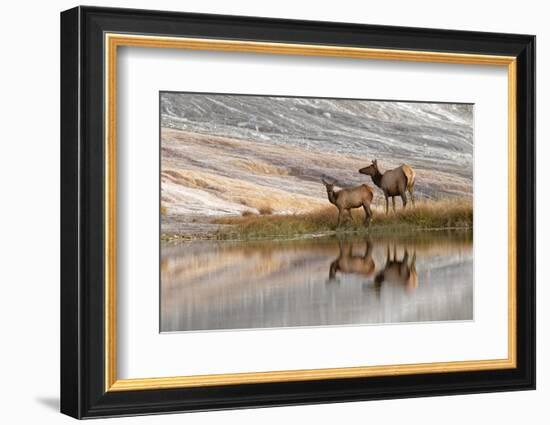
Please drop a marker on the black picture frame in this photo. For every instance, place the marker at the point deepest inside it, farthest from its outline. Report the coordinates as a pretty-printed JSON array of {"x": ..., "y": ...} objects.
[{"x": 83, "y": 392}]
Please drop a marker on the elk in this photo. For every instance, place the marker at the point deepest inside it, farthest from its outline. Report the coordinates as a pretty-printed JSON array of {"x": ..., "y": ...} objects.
[
  {"x": 393, "y": 182},
  {"x": 346, "y": 199},
  {"x": 398, "y": 272},
  {"x": 349, "y": 263}
]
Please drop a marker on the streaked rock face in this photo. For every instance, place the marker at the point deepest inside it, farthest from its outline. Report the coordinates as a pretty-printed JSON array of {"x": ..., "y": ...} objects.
[{"x": 223, "y": 154}]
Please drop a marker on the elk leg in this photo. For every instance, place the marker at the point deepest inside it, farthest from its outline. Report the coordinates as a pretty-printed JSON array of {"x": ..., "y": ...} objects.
[
  {"x": 404, "y": 269},
  {"x": 412, "y": 196},
  {"x": 368, "y": 248},
  {"x": 368, "y": 214},
  {"x": 348, "y": 250},
  {"x": 393, "y": 203},
  {"x": 378, "y": 283},
  {"x": 340, "y": 212},
  {"x": 404, "y": 199},
  {"x": 333, "y": 270},
  {"x": 386, "y": 196},
  {"x": 340, "y": 248}
]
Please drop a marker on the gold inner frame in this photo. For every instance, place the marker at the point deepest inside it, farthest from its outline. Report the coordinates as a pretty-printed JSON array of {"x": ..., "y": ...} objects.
[{"x": 113, "y": 41}]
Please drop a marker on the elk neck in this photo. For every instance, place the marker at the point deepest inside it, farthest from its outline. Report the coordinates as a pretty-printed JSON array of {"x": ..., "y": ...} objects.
[
  {"x": 331, "y": 196},
  {"x": 377, "y": 178}
]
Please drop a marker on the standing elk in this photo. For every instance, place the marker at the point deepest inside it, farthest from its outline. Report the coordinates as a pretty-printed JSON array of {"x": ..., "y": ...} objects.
[
  {"x": 345, "y": 199},
  {"x": 393, "y": 183},
  {"x": 347, "y": 262},
  {"x": 398, "y": 272}
]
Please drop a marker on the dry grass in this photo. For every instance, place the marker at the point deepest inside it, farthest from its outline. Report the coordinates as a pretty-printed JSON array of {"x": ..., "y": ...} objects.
[
  {"x": 448, "y": 213},
  {"x": 265, "y": 210},
  {"x": 445, "y": 214}
]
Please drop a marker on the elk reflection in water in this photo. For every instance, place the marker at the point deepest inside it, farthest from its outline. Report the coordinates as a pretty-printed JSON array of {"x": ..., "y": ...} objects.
[
  {"x": 398, "y": 272},
  {"x": 347, "y": 262},
  {"x": 394, "y": 272},
  {"x": 273, "y": 284}
]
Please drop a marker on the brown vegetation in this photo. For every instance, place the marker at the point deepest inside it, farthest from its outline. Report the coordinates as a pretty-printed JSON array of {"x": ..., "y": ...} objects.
[
  {"x": 265, "y": 210},
  {"x": 444, "y": 214}
]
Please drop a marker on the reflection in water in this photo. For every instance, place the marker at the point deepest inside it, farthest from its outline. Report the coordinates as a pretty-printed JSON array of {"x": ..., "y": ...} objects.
[
  {"x": 349, "y": 263},
  {"x": 398, "y": 272},
  {"x": 241, "y": 285}
]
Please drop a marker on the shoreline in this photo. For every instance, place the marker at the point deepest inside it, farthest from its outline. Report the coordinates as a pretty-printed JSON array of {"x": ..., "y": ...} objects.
[
  {"x": 382, "y": 231},
  {"x": 425, "y": 216}
]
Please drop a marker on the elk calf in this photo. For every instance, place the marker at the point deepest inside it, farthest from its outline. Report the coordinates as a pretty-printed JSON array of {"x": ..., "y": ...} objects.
[
  {"x": 347, "y": 262},
  {"x": 346, "y": 199}
]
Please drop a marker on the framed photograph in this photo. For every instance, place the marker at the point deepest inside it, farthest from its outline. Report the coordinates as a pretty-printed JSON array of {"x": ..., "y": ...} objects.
[{"x": 261, "y": 212}]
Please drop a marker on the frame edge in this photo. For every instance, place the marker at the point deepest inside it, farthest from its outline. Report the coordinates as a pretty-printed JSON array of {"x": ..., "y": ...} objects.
[
  {"x": 70, "y": 348},
  {"x": 526, "y": 181}
]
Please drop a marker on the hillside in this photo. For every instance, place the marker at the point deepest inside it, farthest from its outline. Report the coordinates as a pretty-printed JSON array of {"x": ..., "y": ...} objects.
[{"x": 222, "y": 155}]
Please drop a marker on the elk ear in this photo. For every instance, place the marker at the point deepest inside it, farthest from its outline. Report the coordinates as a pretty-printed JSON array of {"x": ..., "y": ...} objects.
[{"x": 375, "y": 162}]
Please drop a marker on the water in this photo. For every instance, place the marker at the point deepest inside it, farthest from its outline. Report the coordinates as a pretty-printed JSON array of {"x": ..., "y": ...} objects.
[{"x": 329, "y": 281}]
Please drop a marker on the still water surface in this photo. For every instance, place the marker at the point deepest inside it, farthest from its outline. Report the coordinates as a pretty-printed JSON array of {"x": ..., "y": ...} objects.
[{"x": 210, "y": 285}]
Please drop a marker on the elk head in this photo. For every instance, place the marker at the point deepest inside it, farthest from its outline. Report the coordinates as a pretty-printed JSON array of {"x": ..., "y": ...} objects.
[
  {"x": 328, "y": 185},
  {"x": 371, "y": 170}
]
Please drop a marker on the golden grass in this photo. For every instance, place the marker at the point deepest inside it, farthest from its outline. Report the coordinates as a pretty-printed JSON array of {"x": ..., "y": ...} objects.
[
  {"x": 265, "y": 210},
  {"x": 444, "y": 214}
]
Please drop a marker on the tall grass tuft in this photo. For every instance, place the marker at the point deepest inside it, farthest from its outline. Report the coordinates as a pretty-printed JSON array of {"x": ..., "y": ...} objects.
[{"x": 265, "y": 210}]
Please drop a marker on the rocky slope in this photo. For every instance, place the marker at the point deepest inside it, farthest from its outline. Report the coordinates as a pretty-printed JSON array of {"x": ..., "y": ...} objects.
[{"x": 224, "y": 154}]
